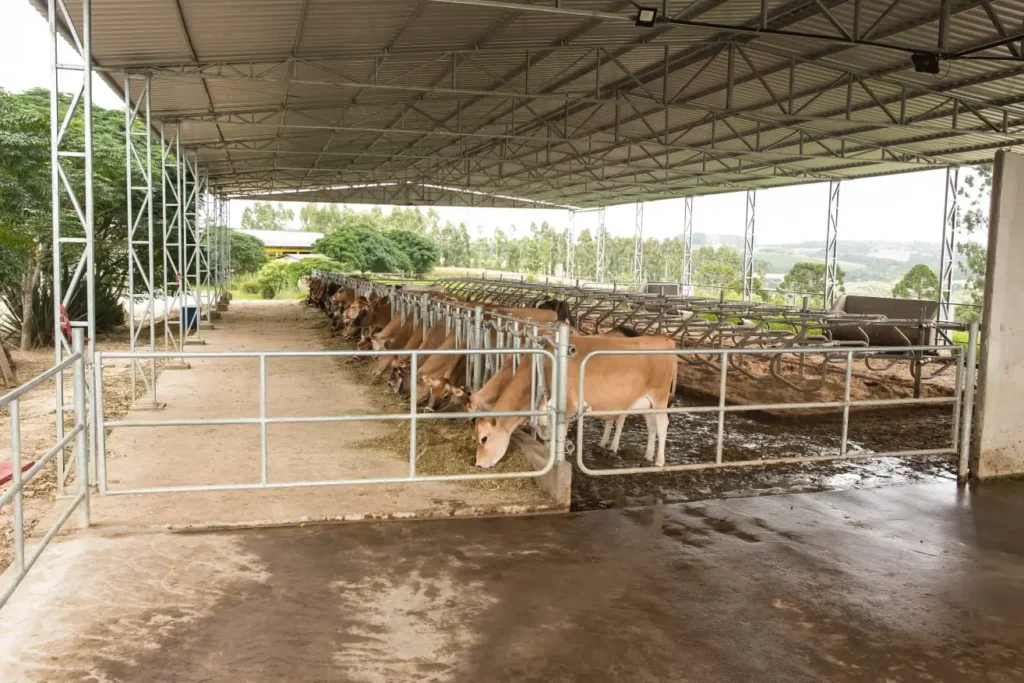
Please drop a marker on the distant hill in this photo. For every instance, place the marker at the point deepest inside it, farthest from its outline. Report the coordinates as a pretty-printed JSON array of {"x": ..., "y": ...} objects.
[{"x": 861, "y": 259}]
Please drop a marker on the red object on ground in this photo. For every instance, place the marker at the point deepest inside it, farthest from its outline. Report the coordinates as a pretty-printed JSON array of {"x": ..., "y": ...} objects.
[{"x": 7, "y": 471}]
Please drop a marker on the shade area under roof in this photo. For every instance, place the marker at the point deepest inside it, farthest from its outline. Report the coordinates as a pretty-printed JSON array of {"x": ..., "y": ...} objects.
[{"x": 569, "y": 104}]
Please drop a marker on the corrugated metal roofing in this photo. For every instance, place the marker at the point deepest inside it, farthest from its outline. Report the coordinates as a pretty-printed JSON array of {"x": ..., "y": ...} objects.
[{"x": 484, "y": 103}]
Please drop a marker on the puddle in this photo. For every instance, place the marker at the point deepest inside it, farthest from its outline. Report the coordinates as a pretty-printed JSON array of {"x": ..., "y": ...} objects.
[{"x": 692, "y": 439}]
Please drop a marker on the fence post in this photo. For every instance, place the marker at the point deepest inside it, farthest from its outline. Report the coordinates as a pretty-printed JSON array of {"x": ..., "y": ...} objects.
[
  {"x": 478, "y": 343},
  {"x": 963, "y": 469},
  {"x": 81, "y": 449},
  {"x": 560, "y": 389}
]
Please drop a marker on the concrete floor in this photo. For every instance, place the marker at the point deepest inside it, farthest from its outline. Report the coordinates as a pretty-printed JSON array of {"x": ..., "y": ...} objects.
[
  {"x": 146, "y": 457},
  {"x": 900, "y": 584}
]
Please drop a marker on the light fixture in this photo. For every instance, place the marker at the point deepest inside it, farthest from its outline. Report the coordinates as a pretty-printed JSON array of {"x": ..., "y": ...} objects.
[
  {"x": 646, "y": 16},
  {"x": 925, "y": 62}
]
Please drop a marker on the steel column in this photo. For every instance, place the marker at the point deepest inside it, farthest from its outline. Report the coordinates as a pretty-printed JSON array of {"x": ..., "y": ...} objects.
[
  {"x": 170, "y": 200},
  {"x": 570, "y": 246},
  {"x": 77, "y": 234},
  {"x": 947, "y": 259},
  {"x": 831, "y": 290},
  {"x": 638, "y": 246},
  {"x": 686, "y": 272},
  {"x": 141, "y": 267},
  {"x": 748, "y": 246},
  {"x": 601, "y": 234}
]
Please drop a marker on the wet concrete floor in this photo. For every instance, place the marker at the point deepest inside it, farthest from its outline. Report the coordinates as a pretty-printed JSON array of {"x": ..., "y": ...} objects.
[{"x": 899, "y": 584}]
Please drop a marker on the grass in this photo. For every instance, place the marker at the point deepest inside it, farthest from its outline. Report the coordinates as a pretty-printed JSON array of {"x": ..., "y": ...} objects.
[{"x": 283, "y": 295}]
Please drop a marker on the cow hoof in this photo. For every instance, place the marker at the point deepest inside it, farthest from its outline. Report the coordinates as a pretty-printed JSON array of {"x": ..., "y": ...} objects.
[{"x": 649, "y": 457}]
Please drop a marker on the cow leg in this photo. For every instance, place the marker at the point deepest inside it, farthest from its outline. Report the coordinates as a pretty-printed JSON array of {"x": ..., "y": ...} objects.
[
  {"x": 662, "y": 422},
  {"x": 607, "y": 434},
  {"x": 619, "y": 422},
  {"x": 651, "y": 436}
]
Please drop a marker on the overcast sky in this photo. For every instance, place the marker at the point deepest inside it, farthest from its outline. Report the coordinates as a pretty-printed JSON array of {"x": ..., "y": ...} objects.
[{"x": 903, "y": 207}]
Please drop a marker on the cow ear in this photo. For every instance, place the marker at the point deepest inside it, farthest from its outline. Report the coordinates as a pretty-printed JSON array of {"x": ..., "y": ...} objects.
[
  {"x": 427, "y": 378},
  {"x": 494, "y": 422},
  {"x": 457, "y": 391}
]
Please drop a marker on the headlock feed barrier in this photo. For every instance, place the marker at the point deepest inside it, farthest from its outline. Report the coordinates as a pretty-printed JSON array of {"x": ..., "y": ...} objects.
[{"x": 485, "y": 338}]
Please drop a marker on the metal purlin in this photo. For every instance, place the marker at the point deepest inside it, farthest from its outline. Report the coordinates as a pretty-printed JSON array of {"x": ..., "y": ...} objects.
[
  {"x": 139, "y": 167},
  {"x": 76, "y": 233}
]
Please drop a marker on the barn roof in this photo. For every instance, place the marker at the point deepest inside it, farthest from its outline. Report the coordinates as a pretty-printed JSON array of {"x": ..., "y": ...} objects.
[{"x": 565, "y": 102}]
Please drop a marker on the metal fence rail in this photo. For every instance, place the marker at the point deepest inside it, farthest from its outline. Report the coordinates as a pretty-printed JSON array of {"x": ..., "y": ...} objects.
[
  {"x": 413, "y": 416},
  {"x": 962, "y": 401},
  {"x": 77, "y": 434}
]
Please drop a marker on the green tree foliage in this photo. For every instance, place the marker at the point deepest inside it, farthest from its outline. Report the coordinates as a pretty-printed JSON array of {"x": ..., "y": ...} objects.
[
  {"x": 364, "y": 248},
  {"x": 920, "y": 282},
  {"x": 265, "y": 216},
  {"x": 977, "y": 191},
  {"x": 248, "y": 253},
  {"x": 323, "y": 218},
  {"x": 25, "y": 230},
  {"x": 808, "y": 279},
  {"x": 275, "y": 276},
  {"x": 718, "y": 268},
  {"x": 422, "y": 253}
]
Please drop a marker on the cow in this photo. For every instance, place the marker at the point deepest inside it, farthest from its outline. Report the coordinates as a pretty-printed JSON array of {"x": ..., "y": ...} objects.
[
  {"x": 398, "y": 341},
  {"x": 612, "y": 383},
  {"x": 433, "y": 339}
]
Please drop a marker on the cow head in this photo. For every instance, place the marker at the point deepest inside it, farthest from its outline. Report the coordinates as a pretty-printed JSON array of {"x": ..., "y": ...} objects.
[
  {"x": 491, "y": 441},
  {"x": 441, "y": 391},
  {"x": 398, "y": 380}
]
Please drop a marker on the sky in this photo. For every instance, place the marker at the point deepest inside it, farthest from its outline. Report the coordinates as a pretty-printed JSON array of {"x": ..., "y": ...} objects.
[{"x": 905, "y": 207}]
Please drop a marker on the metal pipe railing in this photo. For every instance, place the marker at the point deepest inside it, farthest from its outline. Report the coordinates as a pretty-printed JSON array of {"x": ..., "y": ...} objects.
[
  {"x": 19, "y": 480},
  {"x": 962, "y": 396},
  {"x": 413, "y": 416}
]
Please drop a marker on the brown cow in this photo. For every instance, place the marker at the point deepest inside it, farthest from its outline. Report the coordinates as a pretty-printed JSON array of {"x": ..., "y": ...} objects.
[{"x": 612, "y": 383}]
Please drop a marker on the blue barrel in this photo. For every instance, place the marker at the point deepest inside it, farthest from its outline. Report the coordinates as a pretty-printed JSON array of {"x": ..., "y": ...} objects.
[{"x": 191, "y": 314}]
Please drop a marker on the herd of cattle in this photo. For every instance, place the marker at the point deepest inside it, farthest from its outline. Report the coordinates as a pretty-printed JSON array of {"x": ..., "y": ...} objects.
[{"x": 612, "y": 383}]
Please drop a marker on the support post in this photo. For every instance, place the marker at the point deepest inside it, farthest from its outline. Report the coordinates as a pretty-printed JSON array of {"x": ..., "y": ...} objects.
[
  {"x": 831, "y": 289},
  {"x": 638, "y": 247},
  {"x": 601, "y": 233},
  {"x": 1000, "y": 433},
  {"x": 947, "y": 258},
  {"x": 478, "y": 343},
  {"x": 559, "y": 384},
  {"x": 139, "y": 181},
  {"x": 748, "y": 246},
  {"x": 686, "y": 271},
  {"x": 73, "y": 240},
  {"x": 81, "y": 447},
  {"x": 570, "y": 246}
]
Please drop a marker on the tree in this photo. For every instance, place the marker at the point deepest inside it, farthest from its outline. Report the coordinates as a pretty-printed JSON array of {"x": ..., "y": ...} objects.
[
  {"x": 248, "y": 253},
  {"x": 920, "y": 282},
  {"x": 718, "y": 269},
  {"x": 273, "y": 277},
  {"x": 263, "y": 216},
  {"x": 977, "y": 189},
  {"x": 360, "y": 246},
  {"x": 808, "y": 279},
  {"x": 324, "y": 219},
  {"x": 25, "y": 210},
  {"x": 420, "y": 251}
]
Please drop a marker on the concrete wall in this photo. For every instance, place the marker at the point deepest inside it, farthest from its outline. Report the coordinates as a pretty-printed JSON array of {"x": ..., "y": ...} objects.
[{"x": 999, "y": 437}]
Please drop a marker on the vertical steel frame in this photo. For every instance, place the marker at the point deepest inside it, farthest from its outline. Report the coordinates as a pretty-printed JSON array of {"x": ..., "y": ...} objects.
[
  {"x": 72, "y": 207},
  {"x": 191, "y": 276},
  {"x": 748, "y": 246},
  {"x": 570, "y": 246},
  {"x": 638, "y": 246},
  {"x": 601, "y": 234},
  {"x": 831, "y": 290},
  {"x": 686, "y": 271},
  {"x": 139, "y": 180},
  {"x": 171, "y": 207},
  {"x": 950, "y": 225}
]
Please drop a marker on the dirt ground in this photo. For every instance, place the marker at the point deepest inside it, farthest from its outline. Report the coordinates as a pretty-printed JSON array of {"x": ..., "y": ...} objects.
[{"x": 38, "y": 427}]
